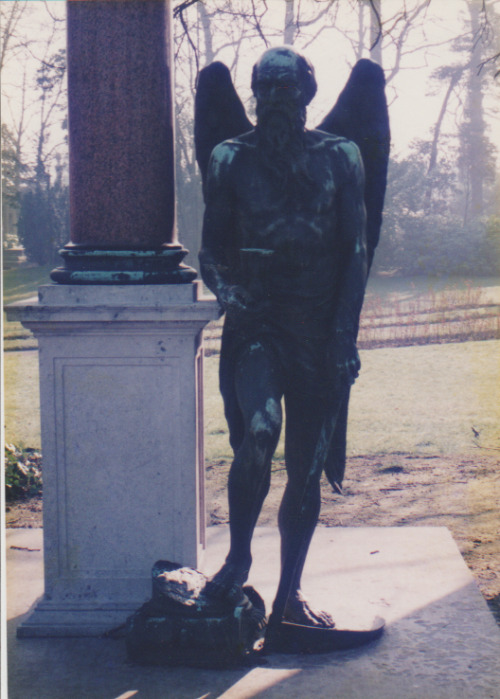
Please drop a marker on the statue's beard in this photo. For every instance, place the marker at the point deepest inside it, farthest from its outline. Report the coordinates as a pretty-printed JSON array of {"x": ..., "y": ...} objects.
[{"x": 281, "y": 143}]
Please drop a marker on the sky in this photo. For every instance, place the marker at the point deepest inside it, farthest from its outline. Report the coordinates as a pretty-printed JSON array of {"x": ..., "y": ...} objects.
[{"x": 414, "y": 99}]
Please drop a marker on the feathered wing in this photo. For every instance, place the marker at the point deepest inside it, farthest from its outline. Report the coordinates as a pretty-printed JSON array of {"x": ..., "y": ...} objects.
[
  {"x": 360, "y": 114},
  {"x": 218, "y": 113}
]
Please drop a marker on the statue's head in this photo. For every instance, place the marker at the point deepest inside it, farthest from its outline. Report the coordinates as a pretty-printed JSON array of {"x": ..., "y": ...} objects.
[
  {"x": 283, "y": 83},
  {"x": 283, "y": 75}
]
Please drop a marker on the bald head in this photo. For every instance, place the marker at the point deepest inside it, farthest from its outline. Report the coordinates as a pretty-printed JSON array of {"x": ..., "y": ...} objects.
[{"x": 287, "y": 74}]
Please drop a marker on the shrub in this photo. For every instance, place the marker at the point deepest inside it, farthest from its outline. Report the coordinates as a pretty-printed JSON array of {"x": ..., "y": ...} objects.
[
  {"x": 23, "y": 473},
  {"x": 43, "y": 225},
  {"x": 424, "y": 227}
]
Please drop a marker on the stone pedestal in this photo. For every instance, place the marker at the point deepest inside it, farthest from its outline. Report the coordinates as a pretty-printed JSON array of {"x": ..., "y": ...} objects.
[{"x": 122, "y": 440}]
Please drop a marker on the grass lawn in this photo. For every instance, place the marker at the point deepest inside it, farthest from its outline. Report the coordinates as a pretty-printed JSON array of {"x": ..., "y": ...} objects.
[
  {"x": 391, "y": 288},
  {"x": 22, "y": 399},
  {"x": 415, "y": 399},
  {"x": 20, "y": 284},
  {"x": 422, "y": 399}
]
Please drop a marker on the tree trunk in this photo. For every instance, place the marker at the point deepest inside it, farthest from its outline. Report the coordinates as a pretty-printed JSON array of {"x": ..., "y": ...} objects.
[
  {"x": 207, "y": 34},
  {"x": 475, "y": 138},
  {"x": 454, "y": 79},
  {"x": 376, "y": 31},
  {"x": 361, "y": 30},
  {"x": 10, "y": 19},
  {"x": 289, "y": 28}
]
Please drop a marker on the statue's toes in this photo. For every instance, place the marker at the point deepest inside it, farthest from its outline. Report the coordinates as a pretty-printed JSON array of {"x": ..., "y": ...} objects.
[
  {"x": 326, "y": 620},
  {"x": 224, "y": 592}
]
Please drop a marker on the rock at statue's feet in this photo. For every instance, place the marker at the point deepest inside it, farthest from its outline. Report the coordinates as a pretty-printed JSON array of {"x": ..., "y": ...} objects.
[
  {"x": 182, "y": 625},
  {"x": 228, "y": 582},
  {"x": 299, "y": 611}
]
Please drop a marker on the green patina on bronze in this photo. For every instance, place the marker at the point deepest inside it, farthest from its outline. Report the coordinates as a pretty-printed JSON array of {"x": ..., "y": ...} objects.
[
  {"x": 91, "y": 266},
  {"x": 286, "y": 253}
]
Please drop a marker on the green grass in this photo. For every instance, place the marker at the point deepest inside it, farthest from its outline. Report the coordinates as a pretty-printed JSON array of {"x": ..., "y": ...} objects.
[
  {"x": 22, "y": 402},
  {"x": 19, "y": 284},
  {"x": 22, "y": 282},
  {"x": 427, "y": 399},
  {"x": 415, "y": 399},
  {"x": 412, "y": 399},
  {"x": 21, "y": 399}
]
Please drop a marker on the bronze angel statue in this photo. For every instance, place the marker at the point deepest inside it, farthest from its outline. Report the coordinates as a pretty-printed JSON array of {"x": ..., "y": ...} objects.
[{"x": 291, "y": 223}]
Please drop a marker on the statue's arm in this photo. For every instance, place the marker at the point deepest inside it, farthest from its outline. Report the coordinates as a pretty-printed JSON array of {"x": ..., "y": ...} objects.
[
  {"x": 217, "y": 254},
  {"x": 353, "y": 263}
]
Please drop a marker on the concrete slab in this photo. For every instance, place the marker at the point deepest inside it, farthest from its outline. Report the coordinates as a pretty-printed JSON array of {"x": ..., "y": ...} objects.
[{"x": 441, "y": 640}]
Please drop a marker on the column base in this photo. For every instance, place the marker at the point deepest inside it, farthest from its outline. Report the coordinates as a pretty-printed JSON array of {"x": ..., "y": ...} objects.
[{"x": 90, "y": 266}]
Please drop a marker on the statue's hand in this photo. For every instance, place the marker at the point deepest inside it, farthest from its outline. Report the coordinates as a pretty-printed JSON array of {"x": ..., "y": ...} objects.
[
  {"x": 236, "y": 300},
  {"x": 343, "y": 359}
]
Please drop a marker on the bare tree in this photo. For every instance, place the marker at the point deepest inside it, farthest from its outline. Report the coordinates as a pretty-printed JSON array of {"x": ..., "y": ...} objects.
[
  {"x": 33, "y": 92},
  {"x": 34, "y": 100},
  {"x": 11, "y": 15},
  {"x": 474, "y": 145}
]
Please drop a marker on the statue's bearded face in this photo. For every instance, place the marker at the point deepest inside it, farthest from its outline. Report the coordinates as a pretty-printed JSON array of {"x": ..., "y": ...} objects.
[
  {"x": 280, "y": 102},
  {"x": 281, "y": 116}
]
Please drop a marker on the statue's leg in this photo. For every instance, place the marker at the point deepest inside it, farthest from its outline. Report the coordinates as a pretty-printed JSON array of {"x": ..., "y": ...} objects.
[
  {"x": 304, "y": 419},
  {"x": 258, "y": 388}
]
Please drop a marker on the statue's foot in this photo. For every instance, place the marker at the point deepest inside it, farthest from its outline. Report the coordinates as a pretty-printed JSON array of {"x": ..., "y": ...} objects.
[
  {"x": 228, "y": 582},
  {"x": 299, "y": 611}
]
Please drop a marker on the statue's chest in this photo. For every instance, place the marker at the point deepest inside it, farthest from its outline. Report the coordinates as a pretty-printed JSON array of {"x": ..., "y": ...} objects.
[
  {"x": 293, "y": 213},
  {"x": 274, "y": 190},
  {"x": 267, "y": 193}
]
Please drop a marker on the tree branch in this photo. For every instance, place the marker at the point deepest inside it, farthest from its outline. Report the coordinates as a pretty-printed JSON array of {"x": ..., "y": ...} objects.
[
  {"x": 491, "y": 59},
  {"x": 179, "y": 9},
  {"x": 257, "y": 24},
  {"x": 379, "y": 24},
  {"x": 183, "y": 6}
]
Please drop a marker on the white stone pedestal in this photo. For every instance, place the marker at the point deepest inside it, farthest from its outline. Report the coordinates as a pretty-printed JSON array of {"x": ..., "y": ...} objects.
[{"x": 122, "y": 440}]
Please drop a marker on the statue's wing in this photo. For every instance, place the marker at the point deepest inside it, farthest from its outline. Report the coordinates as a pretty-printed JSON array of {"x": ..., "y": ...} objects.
[
  {"x": 218, "y": 112},
  {"x": 361, "y": 115}
]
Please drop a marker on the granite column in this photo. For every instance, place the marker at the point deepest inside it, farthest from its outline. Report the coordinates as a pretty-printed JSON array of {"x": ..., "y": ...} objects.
[{"x": 121, "y": 143}]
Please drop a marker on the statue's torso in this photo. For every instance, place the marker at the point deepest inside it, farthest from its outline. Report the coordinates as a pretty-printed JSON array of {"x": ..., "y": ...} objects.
[
  {"x": 289, "y": 216},
  {"x": 298, "y": 222}
]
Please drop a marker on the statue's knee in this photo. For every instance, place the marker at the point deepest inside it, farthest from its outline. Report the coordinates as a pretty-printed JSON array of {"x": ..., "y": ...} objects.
[{"x": 265, "y": 425}]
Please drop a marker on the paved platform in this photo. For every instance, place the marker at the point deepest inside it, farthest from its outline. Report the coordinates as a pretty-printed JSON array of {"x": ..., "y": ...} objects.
[{"x": 441, "y": 640}]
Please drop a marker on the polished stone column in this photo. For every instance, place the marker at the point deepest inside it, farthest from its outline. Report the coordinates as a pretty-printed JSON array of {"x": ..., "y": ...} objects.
[{"x": 121, "y": 146}]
